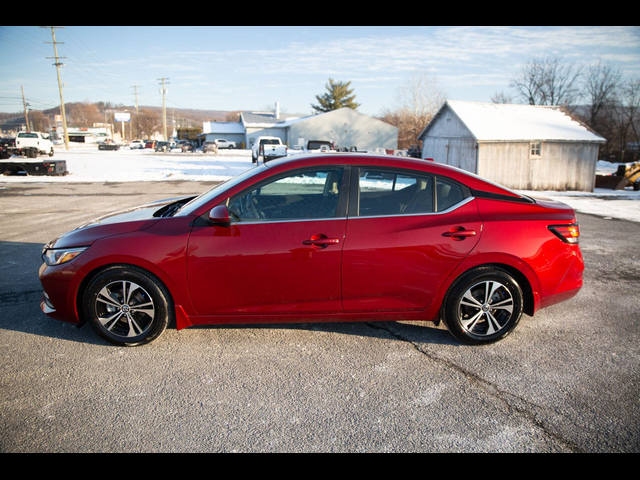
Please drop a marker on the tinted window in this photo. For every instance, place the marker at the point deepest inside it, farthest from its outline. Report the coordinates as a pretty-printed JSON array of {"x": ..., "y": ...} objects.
[
  {"x": 384, "y": 192},
  {"x": 310, "y": 194},
  {"x": 448, "y": 194}
]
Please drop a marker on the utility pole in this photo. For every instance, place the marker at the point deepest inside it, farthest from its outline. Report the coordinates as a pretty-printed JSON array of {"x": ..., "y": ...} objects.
[
  {"x": 58, "y": 65},
  {"x": 25, "y": 104},
  {"x": 135, "y": 89},
  {"x": 163, "y": 91}
]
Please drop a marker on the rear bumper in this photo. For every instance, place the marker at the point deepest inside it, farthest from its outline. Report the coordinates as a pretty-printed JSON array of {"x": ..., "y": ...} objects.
[{"x": 570, "y": 284}]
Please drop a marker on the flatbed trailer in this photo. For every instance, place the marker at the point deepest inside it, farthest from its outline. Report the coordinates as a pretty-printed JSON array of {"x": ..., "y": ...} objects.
[{"x": 16, "y": 166}]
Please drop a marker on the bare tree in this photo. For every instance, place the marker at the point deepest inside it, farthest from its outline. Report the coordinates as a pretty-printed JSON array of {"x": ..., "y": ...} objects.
[
  {"x": 501, "y": 97},
  {"x": 631, "y": 98},
  {"x": 625, "y": 118},
  {"x": 150, "y": 121},
  {"x": 418, "y": 100},
  {"x": 602, "y": 85},
  {"x": 548, "y": 81},
  {"x": 233, "y": 116}
]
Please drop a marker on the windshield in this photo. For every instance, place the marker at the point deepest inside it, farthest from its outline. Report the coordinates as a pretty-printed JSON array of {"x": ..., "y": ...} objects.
[{"x": 203, "y": 199}]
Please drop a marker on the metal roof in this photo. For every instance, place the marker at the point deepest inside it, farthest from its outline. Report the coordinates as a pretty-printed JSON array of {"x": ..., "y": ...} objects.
[{"x": 506, "y": 122}]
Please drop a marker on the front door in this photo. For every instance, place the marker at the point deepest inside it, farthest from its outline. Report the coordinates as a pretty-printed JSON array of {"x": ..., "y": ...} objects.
[{"x": 282, "y": 252}]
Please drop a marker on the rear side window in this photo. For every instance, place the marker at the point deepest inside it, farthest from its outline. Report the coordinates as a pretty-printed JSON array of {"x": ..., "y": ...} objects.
[
  {"x": 448, "y": 194},
  {"x": 384, "y": 192}
]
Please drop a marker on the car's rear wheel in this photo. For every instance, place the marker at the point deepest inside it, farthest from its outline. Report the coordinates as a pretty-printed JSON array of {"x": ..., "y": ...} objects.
[
  {"x": 483, "y": 306},
  {"x": 127, "y": 306}
]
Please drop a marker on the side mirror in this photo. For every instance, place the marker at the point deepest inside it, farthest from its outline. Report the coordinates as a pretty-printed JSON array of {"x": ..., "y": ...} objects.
[{"x": 220, "y": 216}]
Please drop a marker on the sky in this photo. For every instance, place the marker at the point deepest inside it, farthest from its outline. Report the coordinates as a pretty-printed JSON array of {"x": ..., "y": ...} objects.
[{"x": 251, "y": 68}]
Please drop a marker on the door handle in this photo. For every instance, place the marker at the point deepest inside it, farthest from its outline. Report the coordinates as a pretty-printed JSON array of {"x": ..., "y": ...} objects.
[
  {"x": 459, "y": 233},
  {"x": 321, "y": 241}
]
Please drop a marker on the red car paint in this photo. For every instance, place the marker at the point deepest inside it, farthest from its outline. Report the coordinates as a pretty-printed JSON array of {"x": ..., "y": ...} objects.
[{"x": 344, "y": 268}]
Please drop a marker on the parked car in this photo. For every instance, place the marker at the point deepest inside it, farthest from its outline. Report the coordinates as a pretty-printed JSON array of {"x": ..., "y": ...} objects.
[
  {"x": 378, "y": 151},
  {"x": 320, "y": 145},
  {"x": 150, "y": 144},
  {"x": 320, "y": 238},
  {"x": 164, "y": 146},
  {"x": 414, "y": 151},
  {"x": 210, "y": 147},
  {"x": 108, "y": 145},
  {"x": 136, "y": 144},
  {"x": 7, "y": 145},
  {"x": 186, "y": 146},
  {"x": 269, "y": 148},
  {"x": 31, "y": 144},
  {"x": 224, "y": 143}
]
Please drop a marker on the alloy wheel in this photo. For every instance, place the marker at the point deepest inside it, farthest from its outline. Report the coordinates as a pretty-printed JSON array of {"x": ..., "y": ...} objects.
[
  {"x": 486, "y": 308},
  {"x": 125, "y": 309}
]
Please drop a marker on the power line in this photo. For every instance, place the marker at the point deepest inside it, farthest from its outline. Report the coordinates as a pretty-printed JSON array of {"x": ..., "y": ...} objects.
[
  {"x": 163, "y": 91},
  {"x": 58, "y": 65}
]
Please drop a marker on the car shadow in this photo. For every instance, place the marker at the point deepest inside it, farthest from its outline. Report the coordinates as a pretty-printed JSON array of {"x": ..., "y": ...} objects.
[
  {"x": 412, "y": 332},
  {"x": 20, "y": 294}
]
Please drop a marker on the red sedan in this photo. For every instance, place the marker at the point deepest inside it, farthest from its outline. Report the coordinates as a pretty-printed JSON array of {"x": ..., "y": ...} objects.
[{"x": 325, "y": 238}]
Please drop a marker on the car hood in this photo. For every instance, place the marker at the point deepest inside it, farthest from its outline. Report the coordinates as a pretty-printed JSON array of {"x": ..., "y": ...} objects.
[{"x": 116, "y": 223}]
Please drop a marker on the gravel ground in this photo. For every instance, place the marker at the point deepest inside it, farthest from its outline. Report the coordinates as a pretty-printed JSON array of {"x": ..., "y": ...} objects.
[{"x": 567, "y": 380}]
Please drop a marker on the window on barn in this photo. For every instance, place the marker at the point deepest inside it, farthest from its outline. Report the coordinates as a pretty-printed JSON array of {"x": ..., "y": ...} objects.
[{"x": 536, "y": 148}]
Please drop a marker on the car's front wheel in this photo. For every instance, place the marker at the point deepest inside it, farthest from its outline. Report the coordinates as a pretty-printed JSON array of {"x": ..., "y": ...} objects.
[
  {"x": 483, "y": 306},
  {"x": 127, "y": 306}
]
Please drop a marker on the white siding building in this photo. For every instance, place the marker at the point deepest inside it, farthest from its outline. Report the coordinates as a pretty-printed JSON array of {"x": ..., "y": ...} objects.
[{"x": 519, "y": 146}]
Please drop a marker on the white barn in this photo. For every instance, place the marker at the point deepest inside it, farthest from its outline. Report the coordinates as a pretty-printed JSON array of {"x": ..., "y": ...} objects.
[{"x": 522, "y": 147}]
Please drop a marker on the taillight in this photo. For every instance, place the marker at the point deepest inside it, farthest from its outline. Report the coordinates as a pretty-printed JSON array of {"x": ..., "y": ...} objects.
[{"x": 567, "y": 233}]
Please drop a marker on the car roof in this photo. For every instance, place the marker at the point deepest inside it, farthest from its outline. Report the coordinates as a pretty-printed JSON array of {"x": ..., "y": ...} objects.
[{"x": 389, "y": 161}]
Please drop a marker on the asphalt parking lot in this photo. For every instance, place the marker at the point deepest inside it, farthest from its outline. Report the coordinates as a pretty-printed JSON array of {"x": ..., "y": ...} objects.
[{"x": 567, "y": 380}]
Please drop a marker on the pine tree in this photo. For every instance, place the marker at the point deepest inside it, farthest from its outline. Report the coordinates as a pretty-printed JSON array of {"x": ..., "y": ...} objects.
[{"x": 339, "y": 95}]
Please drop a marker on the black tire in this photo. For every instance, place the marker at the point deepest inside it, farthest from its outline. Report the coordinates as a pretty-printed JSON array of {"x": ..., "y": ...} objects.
[
  {"x": 483, "y": 306},
  {"x": 51, "y": 152},
  {"x": 32, "y": 153},
  {"x": 636, "y": 186},
  {"x": 110, "y": 302}
]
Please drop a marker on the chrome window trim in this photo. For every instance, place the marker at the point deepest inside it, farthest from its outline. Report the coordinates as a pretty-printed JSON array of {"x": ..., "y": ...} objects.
[
  {"x": 444, "y": 212},
  {"x": 400, "y": 215},
  {"x": 288, "y": 221}
]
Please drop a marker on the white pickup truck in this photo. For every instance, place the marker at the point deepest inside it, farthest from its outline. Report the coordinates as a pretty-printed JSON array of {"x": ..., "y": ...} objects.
[
  {"x": 32, "y": 144},
  {"x": 269, "y": 148},
  {"x": 224, "y": 143}
]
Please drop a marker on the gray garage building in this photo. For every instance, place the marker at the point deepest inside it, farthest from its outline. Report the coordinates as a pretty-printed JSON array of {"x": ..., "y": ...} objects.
[
  {"x": 522, "y": 147},
  {"x": 344, "y": 127}
]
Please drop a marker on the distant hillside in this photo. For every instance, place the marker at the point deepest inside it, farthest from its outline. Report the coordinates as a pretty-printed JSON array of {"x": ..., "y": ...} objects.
[{"x": 86, "y": 114}]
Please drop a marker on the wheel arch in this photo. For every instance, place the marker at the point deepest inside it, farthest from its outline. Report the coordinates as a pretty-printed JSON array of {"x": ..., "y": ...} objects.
[
  {"x": 82, "y": 287},
  {"x": 530, "y": 302}
]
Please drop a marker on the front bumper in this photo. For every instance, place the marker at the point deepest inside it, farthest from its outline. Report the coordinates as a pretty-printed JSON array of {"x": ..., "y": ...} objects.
[{"x": 60, "y": 286}]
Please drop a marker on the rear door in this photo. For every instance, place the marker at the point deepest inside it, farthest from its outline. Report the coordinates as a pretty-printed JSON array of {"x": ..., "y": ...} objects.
[{"x": 406, "y": 232}]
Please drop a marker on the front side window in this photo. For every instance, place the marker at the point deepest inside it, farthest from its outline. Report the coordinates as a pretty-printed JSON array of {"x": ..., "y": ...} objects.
[{"x": 304, "y": 195}]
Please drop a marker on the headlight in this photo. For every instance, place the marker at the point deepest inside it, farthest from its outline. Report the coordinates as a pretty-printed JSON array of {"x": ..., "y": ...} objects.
[{"x": 61, "y": 255}]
